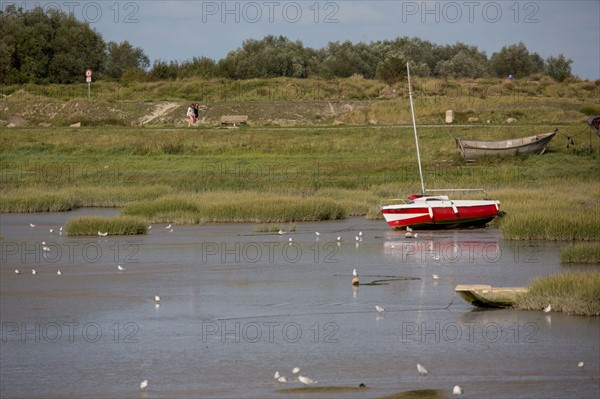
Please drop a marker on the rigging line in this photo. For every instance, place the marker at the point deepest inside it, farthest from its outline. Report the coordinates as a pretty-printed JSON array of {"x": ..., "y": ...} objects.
[
  {"x": 337, "y": 313},
  {"x": 584, "y": 130}
]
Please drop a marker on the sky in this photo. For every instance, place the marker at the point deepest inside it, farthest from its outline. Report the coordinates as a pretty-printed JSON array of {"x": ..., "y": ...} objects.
[{"x": 181, "y": 29}]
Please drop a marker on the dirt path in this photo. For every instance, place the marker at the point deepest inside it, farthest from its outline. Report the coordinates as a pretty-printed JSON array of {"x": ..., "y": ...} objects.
[{"x": 159, "y": 110}]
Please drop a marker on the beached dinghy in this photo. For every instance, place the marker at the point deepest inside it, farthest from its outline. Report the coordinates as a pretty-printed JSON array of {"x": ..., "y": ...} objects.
[
  {"x": 471, "y": 150},
  {"x": 486, "y": 296}
]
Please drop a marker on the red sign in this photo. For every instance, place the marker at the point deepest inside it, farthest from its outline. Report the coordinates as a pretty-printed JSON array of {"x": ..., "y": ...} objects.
[{"x": 88, "y": 73}]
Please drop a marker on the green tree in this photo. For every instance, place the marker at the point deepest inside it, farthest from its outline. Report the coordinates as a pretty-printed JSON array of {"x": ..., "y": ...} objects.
[
  {"x": 76, "y": 47},
  {"x": 42, "y": 47},
  {"x": 462, "y": 65},
  {"x": 558, "y": 68},
  {"x": 515, "y": 59},
  {"x": 392, "y": 69},
  {"x": 121, "y": 57}
]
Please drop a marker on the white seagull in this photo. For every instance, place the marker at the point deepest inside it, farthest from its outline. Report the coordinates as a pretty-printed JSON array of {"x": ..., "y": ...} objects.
[
  {"x": 317, "y": 233},
  {"x": 156, "y": 298},
  {"x": 17, "y": 271},
  {"x": 354, "y": 273},
  {"x": 580, "y": 364},
  {"x": 59, "y": 272},
  {"x": 457, "y": 390},
  {"x": 281, "y": 232},
  {"x": 102, "y": 234},
  {"x": 120, "y": 268},
  {"x": 296, "y": 370},
  {"x": 282, "y": 379},
  {"x": 360, "y": 233},
  {"x": 408, "y": 228},
  {"x": 51, "y": 230},
  {"x": 33, "y": 271},
  {"x": 379, "y": 309},
  {"x": 548, "y": 309},
  {"x": 169, "y": 226},
  {"x": 435, "y": 276},
  {"x": 46, "y": 249},
  {"x": 422, "y": 370},
  {"x": 416, "y": 235},
  {"x": 339, "y": 238},
  {"x": 277, "y": 375},
  {"x": 144, "y": 384},
  {"x": 291, "y": 239},
  {"x": 436, "y": 258},
  {"x": 32, "y": 225},
  {"x": 306, "y": 380}
]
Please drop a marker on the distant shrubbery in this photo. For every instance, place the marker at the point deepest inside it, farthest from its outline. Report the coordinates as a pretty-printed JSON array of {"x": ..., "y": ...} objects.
[{"x": 53, "y": 47}]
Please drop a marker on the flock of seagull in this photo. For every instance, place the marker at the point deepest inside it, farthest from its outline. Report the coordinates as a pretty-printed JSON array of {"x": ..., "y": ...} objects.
[{"x": 457, "y": 390}]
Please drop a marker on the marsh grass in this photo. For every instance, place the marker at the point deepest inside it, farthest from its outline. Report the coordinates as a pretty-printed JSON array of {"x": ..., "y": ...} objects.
[
  {"x": 37, "y": 199},
  {"x": 571, "y": 292},
  {"x": 559, "y": 211},
  {"x": 33, "y": 200},
  {"x": 241, "y": 206},
  {"x": 119, "y": 225},
  {"x": 581, "y": 253}
]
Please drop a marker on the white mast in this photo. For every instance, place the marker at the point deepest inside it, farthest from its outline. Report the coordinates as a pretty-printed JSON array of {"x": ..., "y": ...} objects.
[{"x": 412, "y": 110}]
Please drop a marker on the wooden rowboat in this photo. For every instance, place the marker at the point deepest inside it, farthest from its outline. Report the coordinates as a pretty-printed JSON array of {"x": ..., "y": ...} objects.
[
  {"x": 486, "y": 296},
  {"x": 471, "y": 150}
]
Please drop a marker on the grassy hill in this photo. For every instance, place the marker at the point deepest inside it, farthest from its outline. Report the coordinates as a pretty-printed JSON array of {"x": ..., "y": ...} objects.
[{"x": 285, "y": 101}]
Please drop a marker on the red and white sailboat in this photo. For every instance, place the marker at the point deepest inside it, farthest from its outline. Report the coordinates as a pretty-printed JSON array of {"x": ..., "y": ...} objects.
[{"x": 437, "y": 211}]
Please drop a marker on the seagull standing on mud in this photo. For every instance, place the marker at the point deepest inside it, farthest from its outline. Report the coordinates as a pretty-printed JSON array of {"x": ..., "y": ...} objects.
[
  {"x": 422, "y": 370},
  {"x": 379, "y": 309}
]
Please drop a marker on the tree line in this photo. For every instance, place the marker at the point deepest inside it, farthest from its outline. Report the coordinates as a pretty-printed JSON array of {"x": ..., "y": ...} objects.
[{"x": 40, "y": 46}]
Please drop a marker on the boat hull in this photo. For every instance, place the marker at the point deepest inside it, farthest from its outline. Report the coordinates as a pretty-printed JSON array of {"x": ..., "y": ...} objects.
[
  {"x": 472, "y": 150},
  {"x": 486, "y": 296},
  {"x": 434, "y": 213}
]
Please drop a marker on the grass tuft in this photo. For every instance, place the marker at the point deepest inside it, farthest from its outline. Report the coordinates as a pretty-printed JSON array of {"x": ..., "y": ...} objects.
[
  {"x": 581, "y": 253},
  {"x": 571, "y": 292},
  {"x": 120, "y": 225}
]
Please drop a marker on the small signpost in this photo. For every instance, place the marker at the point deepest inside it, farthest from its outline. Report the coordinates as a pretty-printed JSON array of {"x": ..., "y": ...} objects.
[{"x": 88, "y": 79}]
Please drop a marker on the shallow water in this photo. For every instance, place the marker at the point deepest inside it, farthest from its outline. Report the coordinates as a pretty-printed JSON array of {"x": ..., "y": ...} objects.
[{"x": 237, "y": 305}]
